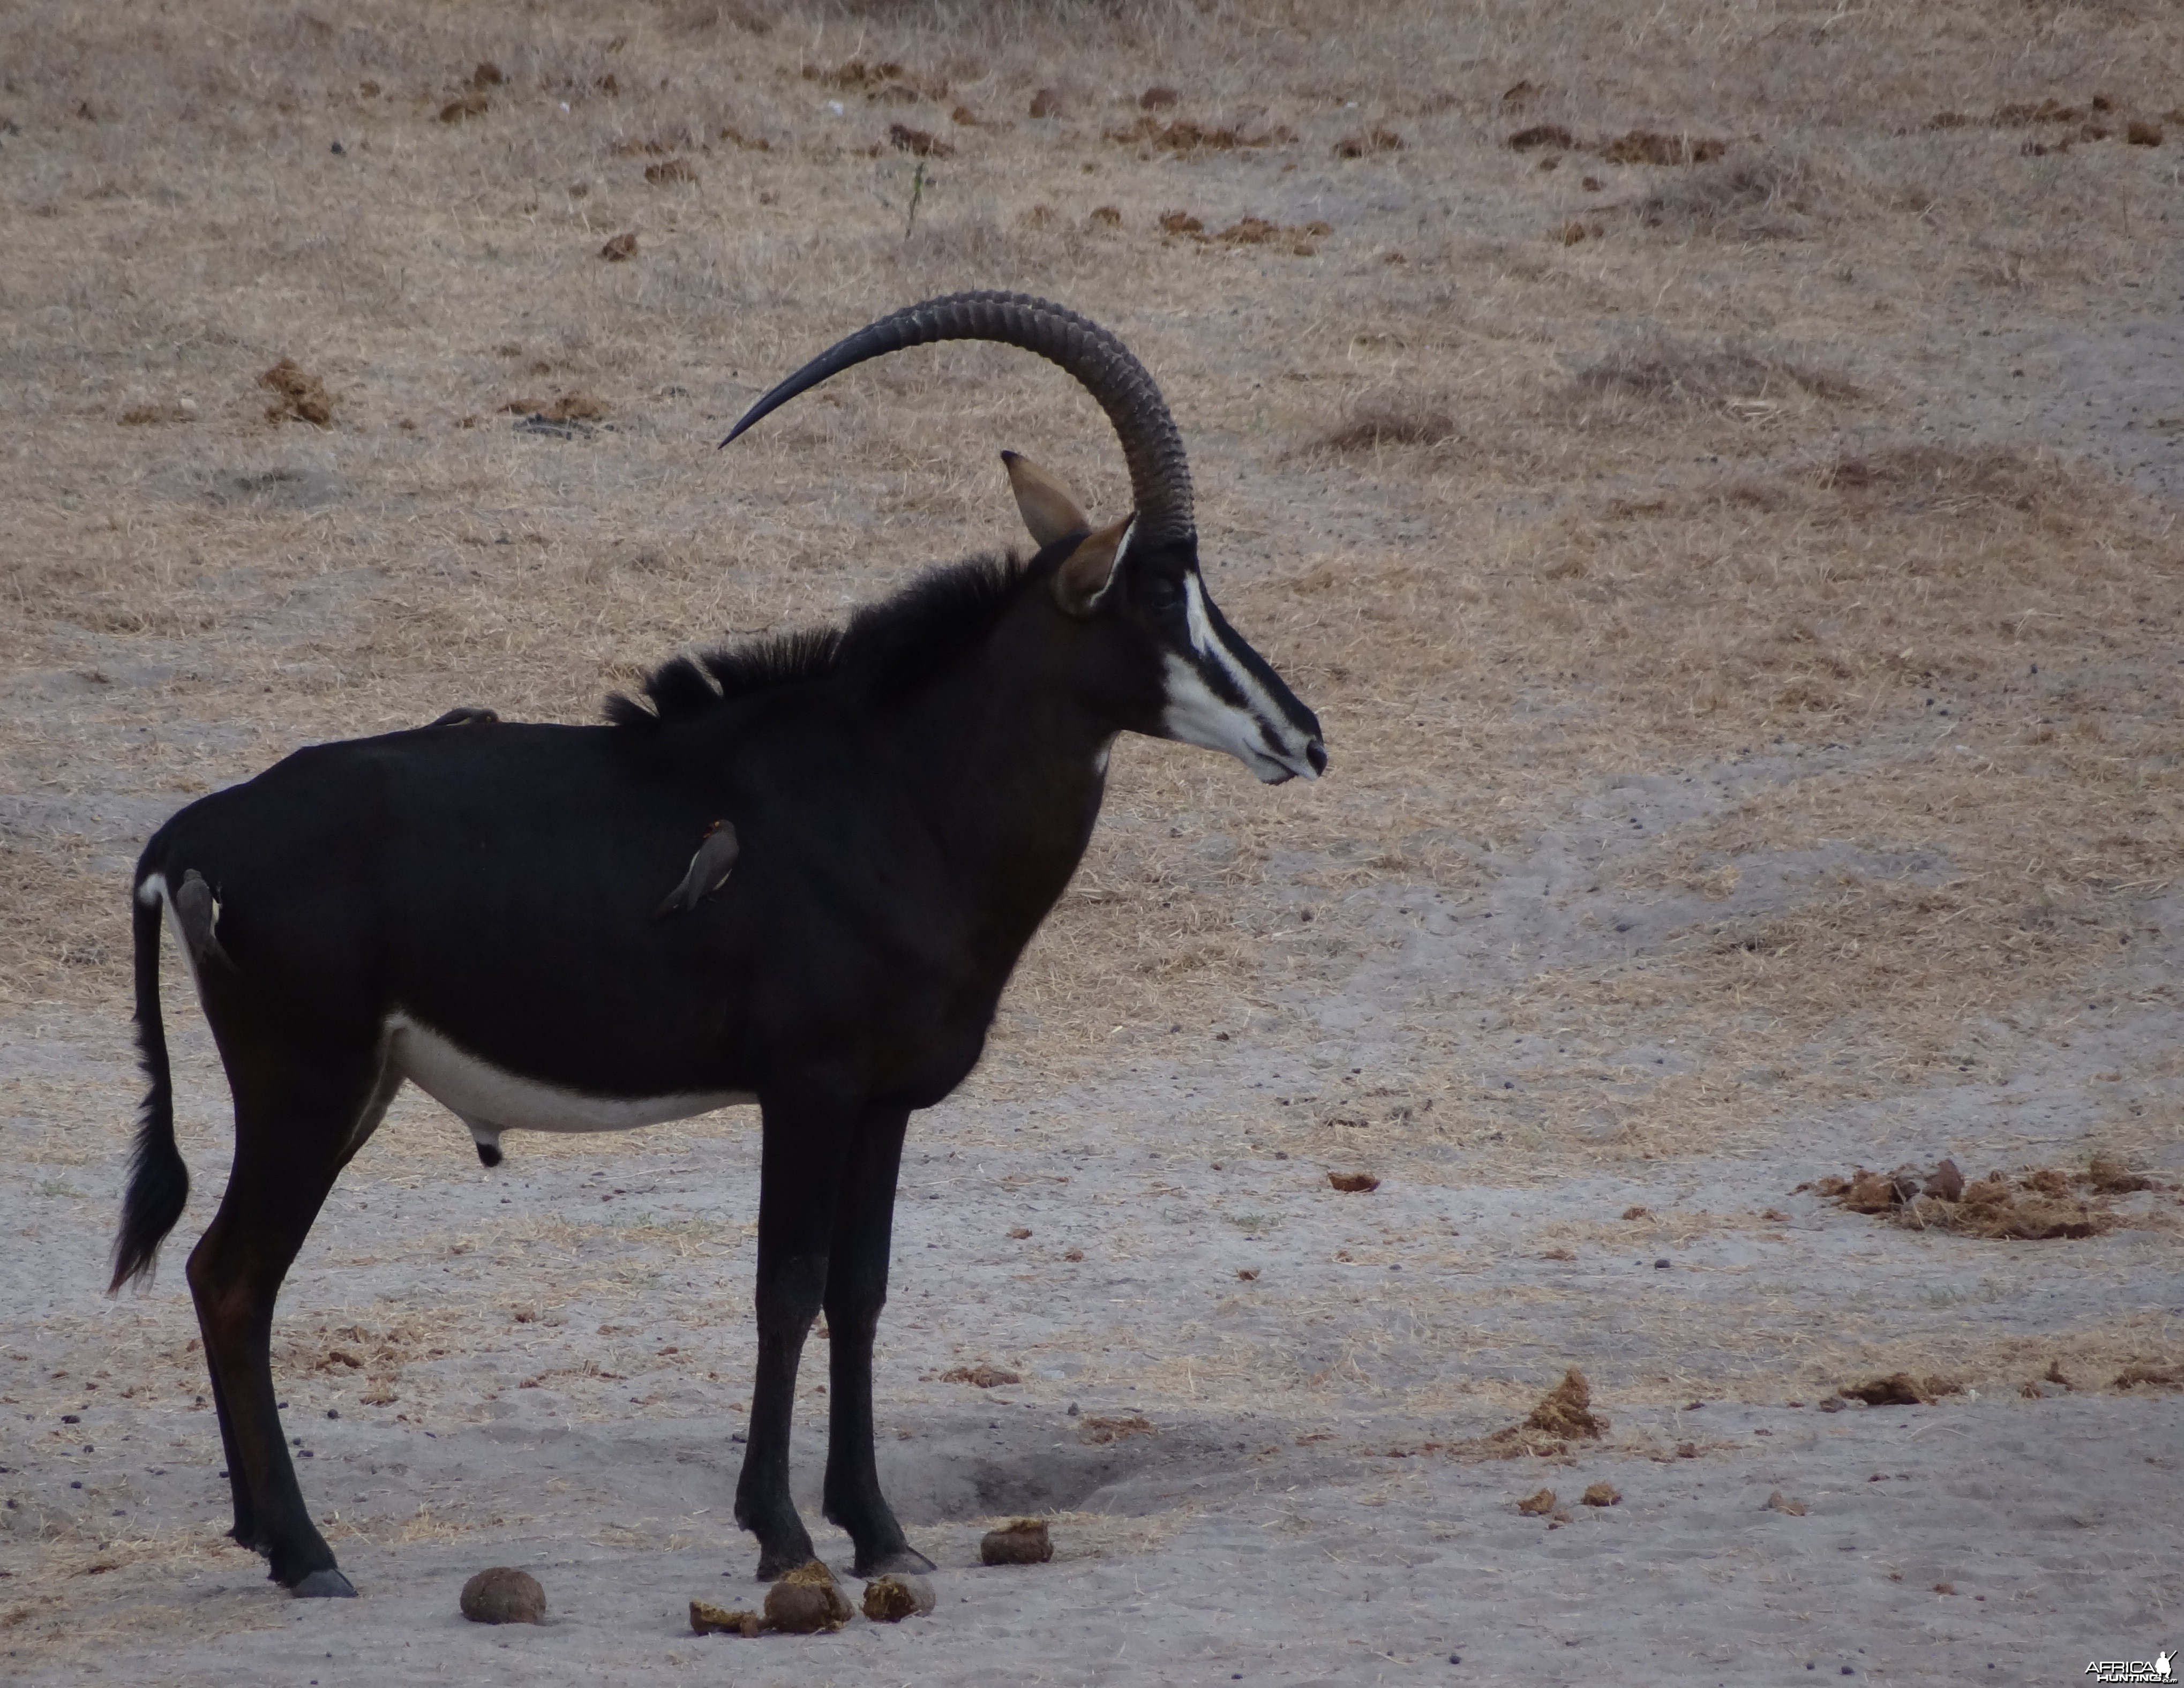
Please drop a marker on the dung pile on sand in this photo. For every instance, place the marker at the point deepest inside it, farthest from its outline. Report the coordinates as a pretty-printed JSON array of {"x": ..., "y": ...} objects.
[
  {"x": 299, "y": 396},
  {"x": 1900, "y": 1389},
  {"x": 504, "y": 1595},
  {"x": 2038, "y": 1204},
  {"x": 890, "y": 1599},
  {"x": 1023, "y": 1542},
  {"x": 1563, "y": 1415},
  {"x": 805, "y": 1601}
]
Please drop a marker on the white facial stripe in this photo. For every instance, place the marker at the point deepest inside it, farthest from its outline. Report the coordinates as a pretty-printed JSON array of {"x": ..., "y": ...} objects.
[
  {"x": 1202, "y": 640},
  {"x": 477, "y": 1090},
  {"x": 1196, "y": 717},
  {"x": 1209, "y": 644}
]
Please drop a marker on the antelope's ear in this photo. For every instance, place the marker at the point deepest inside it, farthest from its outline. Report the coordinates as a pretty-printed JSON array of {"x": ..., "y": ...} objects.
[
  {"x": 1088, "y": 571},
  {"x": 1047, "y": 508}
]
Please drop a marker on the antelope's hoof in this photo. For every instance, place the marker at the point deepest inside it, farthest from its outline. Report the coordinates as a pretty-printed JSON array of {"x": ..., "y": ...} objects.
[
  {"x": 326, "y": 1584},
  {"x": 900, "y": 1562},
  {"x": 773, "y": 1567}
]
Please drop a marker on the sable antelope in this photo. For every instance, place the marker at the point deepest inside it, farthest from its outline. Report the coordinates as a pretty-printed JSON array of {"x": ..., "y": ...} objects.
[{"x": 476, "y": 907}]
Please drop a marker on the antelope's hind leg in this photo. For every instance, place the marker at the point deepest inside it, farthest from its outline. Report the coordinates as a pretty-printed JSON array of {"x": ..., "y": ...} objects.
[
  {"x": 856, "y": 1291},
  {"x": 299, "y": 1116}
]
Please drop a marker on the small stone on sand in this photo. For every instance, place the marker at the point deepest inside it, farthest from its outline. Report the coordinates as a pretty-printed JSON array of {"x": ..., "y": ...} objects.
[{"x": 504, "y": 1595}]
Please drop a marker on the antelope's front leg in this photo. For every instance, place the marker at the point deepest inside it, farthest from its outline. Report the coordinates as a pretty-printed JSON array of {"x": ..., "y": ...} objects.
[
  {"x": 856, "y": 1291},
  {"x": 807, "y": 1139}
]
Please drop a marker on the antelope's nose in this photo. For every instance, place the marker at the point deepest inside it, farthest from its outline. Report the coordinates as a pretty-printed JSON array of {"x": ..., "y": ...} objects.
[{"x": 1315, "y": 753}]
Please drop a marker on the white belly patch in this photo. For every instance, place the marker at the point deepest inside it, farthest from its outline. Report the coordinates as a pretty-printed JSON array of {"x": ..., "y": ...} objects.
[{"x": 491, "y": 1099}]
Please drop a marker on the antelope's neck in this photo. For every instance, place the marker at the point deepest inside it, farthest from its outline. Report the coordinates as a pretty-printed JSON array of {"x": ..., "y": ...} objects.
[{"x": 1014, "y": 799}]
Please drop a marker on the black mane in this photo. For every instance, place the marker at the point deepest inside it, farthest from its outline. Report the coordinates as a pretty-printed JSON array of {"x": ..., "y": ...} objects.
[{"x": 893, "y": 645}]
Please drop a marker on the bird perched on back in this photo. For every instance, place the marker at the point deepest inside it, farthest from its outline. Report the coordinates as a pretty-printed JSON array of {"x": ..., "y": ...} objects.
[
  {"x": 709, "y": 871},
  {"x": 197, "y": 909}
]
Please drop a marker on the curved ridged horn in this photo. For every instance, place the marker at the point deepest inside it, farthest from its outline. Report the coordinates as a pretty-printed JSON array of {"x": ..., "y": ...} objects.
[{"x": 1159, "y": 479}]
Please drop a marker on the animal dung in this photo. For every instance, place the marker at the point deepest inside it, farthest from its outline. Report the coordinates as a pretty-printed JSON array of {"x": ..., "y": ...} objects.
[
  {"x": 807, "y": 1600},
  {"x": 1562, "y": 1415},
  {"x": 2038, "y": 1204},
  {"x": 1602, "y": 1494},
  {"x": 1537, "y": 1505},
  {"x": 299, "y": 396},
  {"x": 919, "y": 143},
  {"x": 891, "y": 1598},
  {"x": 1779, "y": 1502},
  {"x": 1379, "y": 138},
  {"x": 1099, "y": 1428},
  {"x": 621, "y": 247},
  {"x": 1651, "y": 146},
  {"x": 1900, "y": 1388},
  {"x": 504, "y": 1595},
  {"x": 578, "y": 406},
  {"x": 1353, "y": 1184},
  {"x": 981, "y": 1376},
  {"x": 708, "y": 1619},
  {"x": 1566, "y": 1410},
  {"x": 1024, "y": 1541}
]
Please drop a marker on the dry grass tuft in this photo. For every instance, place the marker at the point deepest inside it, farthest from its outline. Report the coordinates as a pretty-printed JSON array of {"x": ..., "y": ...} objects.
[
  {"x": 1773, "y": 198},
  {"x": 1651, "y": 147},
  {"x": 1183, "y": 135},
  {"x": 1684, "y": 374},
  {"x": 1373, "y": 424},
  {"x": 578, "y": 406}
]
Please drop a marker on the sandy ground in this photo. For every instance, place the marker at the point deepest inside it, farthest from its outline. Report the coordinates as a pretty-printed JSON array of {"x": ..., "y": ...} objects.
[{"x": 1655, "y": 879}]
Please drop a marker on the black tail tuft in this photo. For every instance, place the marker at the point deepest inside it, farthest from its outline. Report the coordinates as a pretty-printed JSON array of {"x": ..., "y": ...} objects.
[{"x": 158, "y": 1181}]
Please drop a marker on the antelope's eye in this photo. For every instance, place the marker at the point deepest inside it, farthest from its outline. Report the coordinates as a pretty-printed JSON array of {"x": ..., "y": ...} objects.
[{"x": 1158, "y": 592}]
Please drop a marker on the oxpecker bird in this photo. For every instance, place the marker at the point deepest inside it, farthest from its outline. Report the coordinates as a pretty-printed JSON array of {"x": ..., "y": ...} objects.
[{"x": 709, "y": 871}]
